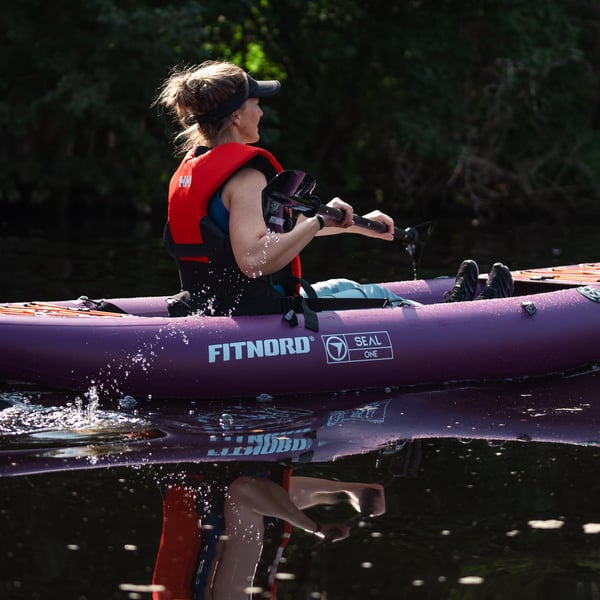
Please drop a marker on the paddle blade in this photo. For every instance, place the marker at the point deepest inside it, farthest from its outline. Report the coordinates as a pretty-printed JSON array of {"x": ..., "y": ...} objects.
[
  {"x": 290, "y": 185},
  {"x": 285, "y": 196},
  {"x": 417, "y": 238}
]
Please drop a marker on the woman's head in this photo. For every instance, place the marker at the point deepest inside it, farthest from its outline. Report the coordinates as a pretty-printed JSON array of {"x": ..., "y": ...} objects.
[{"x": 203, "y": 98}]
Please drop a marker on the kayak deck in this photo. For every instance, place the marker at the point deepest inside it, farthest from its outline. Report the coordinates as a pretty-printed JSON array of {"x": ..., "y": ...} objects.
[{"x": 571, "y": 275}]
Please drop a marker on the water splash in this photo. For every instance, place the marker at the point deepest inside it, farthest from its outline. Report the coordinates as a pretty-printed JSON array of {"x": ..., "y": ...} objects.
[
  {"x": 113, "y": 376},
  {"x": 80, "y": 418}
]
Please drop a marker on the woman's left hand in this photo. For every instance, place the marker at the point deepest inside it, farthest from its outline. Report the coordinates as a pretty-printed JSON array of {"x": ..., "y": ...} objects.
[
  {"x": 377, "y": 502},
  {"x": 347, "y": 225},
  {"x": 377, "y": 215}
]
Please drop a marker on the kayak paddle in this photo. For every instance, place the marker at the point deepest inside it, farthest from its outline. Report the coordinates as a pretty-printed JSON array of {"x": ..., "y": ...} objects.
[{"x": 293, "y": 189}]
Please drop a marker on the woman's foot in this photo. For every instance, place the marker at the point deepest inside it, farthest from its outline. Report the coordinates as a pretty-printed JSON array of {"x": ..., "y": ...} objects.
[
  {"x": 499, "y": 283},
  {"x": 466, "y": 282}
]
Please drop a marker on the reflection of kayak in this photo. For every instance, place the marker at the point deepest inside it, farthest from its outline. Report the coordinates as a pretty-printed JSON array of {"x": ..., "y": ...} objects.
[
  {"x": 318, "y": 429},
  {"x": 542, "y": 329}
]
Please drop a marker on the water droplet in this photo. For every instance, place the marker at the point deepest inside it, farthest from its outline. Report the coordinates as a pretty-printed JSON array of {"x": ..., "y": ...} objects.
[
  {"x": 495, "y": 443},
  {"x": 127, "y": 402},
  {"x": 226, "y": 421}
]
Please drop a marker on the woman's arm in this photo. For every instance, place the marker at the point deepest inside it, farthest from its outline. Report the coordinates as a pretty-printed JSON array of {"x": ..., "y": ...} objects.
[
  {"x": 256, "y": 250},
  {"x": 260, "y": 252},
  {"x": 310, "y": 491}
]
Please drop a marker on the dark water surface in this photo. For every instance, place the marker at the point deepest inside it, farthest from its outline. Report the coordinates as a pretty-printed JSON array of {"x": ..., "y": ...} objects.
[{"x": 492, "y": 491}]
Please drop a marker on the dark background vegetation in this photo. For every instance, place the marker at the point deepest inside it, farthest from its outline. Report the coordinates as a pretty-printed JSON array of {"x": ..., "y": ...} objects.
[{"x": 481, "y": 107}]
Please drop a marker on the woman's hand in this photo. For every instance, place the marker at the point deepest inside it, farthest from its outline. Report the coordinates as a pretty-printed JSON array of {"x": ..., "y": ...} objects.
[
  {"x": 347, "y": 225},
  {"x": 377, "y": 215},
  {"x": 376, "y": 499},
  {"x": 346, "y": 209},
  {"x": 335, "y": 532}
]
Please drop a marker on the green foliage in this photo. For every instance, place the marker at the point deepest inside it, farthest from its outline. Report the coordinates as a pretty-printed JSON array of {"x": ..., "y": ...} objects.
[{"x": 491, "y": 106}]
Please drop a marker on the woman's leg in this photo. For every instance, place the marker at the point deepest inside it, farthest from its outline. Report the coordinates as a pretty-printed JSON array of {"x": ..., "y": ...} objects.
[{"x": 346, "y": 288}]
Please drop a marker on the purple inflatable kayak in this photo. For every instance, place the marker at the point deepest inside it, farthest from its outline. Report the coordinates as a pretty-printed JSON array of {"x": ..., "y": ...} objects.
[{"x": 552, "y": 324}]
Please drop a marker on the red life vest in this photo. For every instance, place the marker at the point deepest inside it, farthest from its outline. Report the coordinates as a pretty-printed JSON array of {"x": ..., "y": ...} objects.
[
  {"x": 175, "y": 574},
  {"x": 180, "y": 543},
  {"x": 193, "y": 185}
]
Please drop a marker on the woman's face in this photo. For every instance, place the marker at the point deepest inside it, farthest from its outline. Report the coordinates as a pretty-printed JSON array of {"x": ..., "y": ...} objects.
[{"x": 250, "y": 114}]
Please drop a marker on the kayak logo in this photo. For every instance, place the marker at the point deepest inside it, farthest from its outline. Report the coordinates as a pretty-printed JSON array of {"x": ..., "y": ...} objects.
[
  {"x": 259, "y": 348},
  {"x": 358, "y": 347}
]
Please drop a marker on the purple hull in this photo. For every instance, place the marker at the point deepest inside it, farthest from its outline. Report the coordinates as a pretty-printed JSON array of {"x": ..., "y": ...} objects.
[{"x": 219, "y": 357}]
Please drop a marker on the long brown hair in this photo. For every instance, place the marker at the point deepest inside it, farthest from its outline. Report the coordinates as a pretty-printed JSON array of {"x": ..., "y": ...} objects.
[{"x": 190, "y": 92}]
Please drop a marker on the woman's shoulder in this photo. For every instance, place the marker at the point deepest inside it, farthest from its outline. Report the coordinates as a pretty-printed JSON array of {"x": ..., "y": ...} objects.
[{"x": 248, "y": 175}]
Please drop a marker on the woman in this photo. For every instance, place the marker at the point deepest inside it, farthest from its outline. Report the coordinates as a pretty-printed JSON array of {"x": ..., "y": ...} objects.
[{"x": 228, "y": 260}]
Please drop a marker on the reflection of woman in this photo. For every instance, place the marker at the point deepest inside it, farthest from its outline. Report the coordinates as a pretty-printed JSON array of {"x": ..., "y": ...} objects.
[{"x": 223, "y": 565}]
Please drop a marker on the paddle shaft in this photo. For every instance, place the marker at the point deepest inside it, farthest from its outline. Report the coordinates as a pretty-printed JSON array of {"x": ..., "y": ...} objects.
[
  {"x": 315, "y": 206},
  {"x": 335, "y": 214}
]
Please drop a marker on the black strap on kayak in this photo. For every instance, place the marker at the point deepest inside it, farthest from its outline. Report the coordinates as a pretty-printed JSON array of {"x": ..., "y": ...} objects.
[
  {"x": 180, "y": 304},
  {"x": 309, "y": 307},
  {"x": 104, "y": 306},
  {"x": 321, "y": 304},
  {"x": 292, "y": 305},
  {"x": 311, "y": 321}
]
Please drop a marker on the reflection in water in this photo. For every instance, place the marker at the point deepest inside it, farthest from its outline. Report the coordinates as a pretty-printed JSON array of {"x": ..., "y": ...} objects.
[
  {"x": 490, "y": 492},
  {"x": 312, "y": 429},
  {"x": 214, "y": 527}
]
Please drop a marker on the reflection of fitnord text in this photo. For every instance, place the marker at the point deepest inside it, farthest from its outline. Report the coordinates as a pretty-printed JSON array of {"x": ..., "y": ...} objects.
[{"x": 263, "y": 443}]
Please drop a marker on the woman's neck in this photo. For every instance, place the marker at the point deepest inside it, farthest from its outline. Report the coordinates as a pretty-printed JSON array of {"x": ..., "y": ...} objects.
[{"x": 228, "y": 136}]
